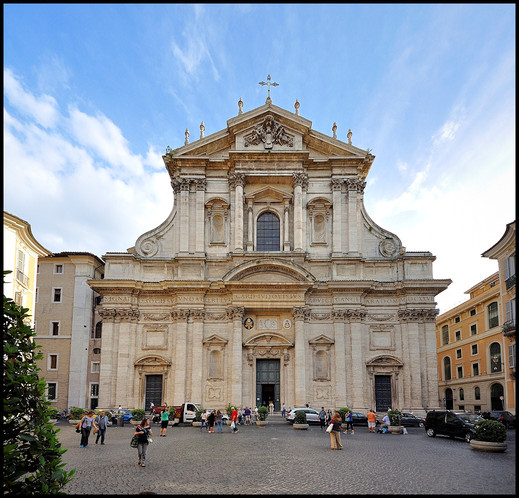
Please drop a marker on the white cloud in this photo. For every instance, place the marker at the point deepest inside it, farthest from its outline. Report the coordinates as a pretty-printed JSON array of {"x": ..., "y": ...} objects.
[{"x": 43, "y": 110}]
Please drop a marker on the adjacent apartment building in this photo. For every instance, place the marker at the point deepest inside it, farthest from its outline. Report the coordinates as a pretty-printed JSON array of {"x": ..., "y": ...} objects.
[
  {"x": 21, "y": 253},
  {"x": 68, "y": 328},
  {"x": 504, "y": 252},
  {"x": 476, "y": 340}
]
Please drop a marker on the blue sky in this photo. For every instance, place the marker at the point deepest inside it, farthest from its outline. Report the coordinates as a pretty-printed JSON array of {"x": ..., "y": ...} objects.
[{"x": 93, "y": 95}]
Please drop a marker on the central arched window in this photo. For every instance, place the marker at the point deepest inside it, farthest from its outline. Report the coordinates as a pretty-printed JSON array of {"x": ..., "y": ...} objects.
[{"x": 267, "y": 235}]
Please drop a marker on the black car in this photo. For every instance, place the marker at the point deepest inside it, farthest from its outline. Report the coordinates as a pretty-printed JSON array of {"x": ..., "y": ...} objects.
[
  {"x": 360, "y": 419},
  {"x": 450, "y": 423},
  {"x": 506, "y": 418},
  {"x": 411, "y": 420}
]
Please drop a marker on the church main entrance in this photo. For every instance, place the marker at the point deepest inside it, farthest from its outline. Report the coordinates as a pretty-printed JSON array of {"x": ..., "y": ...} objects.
[{"x": 267, "y": 383}]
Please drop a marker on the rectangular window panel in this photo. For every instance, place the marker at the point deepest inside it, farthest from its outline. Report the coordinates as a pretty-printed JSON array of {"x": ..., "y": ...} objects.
[
  {"x": 53, "y": 361},
  {"x": 475, "y": 369},
  {"x": 55, "y": 328},
  {"x": 51, "y": 390},
  {"x": 56, "y": 296}
]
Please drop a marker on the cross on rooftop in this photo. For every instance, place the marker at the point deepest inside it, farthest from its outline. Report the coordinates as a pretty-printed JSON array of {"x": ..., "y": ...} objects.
[{"x": 269, "y": 84}]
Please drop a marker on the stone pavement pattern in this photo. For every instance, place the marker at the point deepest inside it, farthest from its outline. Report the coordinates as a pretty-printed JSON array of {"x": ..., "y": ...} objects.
[{"x": 281, "y": 460}]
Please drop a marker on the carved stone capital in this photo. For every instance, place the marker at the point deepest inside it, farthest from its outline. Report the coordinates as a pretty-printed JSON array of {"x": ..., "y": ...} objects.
[{"x": 299, "y": 179}]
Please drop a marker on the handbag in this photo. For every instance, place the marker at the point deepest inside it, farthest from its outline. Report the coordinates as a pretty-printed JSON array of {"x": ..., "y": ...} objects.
[
  {"x": 150, "y": 440},
  {"x": 78, "y": 430},
  {"x": 134, "y": 442},
  {"x": 330, "y": 428}
]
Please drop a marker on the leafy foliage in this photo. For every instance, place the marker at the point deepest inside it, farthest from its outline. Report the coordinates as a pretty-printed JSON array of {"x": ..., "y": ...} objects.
[
  {"x": 300, "y": 417},
  {"x": 263, "y": 413},
  {"x": 394, "y": 417},
  {"x": 31, "y": 451},
  {"x": 138, "y": 413},
  {"x": 77, "y": 413},
  {"x": 198, "y": 414},
  {"x": 490, "y": 430}
]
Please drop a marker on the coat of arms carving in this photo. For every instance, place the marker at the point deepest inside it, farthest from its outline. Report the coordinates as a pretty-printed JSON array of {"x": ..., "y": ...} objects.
[{"x": 270, "y": 132}]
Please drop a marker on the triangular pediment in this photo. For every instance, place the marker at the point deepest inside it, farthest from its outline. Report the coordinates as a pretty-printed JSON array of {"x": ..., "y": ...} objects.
[
  {"x": 322, "y": 339},
  {"x": 268, "y": 194},
  {"x": 215, "y": 339}
]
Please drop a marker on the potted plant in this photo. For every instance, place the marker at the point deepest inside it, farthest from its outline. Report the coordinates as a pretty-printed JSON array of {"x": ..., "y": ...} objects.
[
  {"x": 395, "y": 426},
  {"x": 76, "y": 414},
  {"x": 172, "y": 419},
  {"x": 300, "y": 421},
  {"x": 263, "y": 413},
  {"x": 138, "y": 415},
  {"x": 197, "y": 422},
  {"x": 489, "y": 435}
]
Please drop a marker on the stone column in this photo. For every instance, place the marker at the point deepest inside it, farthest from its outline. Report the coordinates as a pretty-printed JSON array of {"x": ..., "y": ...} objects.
[
  {"x": 357, "y": 360},
  {"x": 238, "y": 216},
  {"x": 236, "y": 355},
  {"x": 298, "y": 180},
  {"x": 300, "y": 355},
  {"x": 199, "y": 224},
  {"x": 127, "y": 326},
  {"x": 197, "y": 335},
  {"x": 180, "y": 316},
  {"x": 184, "y": 215},
  {"x": 286, "y": 233},
  {"x": 250, "y": 230},
  {"x": 340, "y": 358},
  {"x": 337, "y": 215}
]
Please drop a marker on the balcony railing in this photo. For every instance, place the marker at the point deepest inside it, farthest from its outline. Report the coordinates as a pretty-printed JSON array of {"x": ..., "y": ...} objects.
[
  {"x": 509, "y": 328},
  {"x": 22, "y": 277},
  {"x": 510, "y": 282}
]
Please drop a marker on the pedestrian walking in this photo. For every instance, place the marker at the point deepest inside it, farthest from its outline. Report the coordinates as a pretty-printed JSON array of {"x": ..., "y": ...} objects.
[
  {"x": 348, "y": 418},
  {"x": 143, "y": 431},
  {"x": 328, "y": 417},
  {"x": 210, "y": 421},
  {"x": 335, "y": 433},
  {"x": 255, "y": 414},
  {"x": 234, "y": 420},
  {"x": 85, "y": 425},
  {"x": 271, "y": 408},
  {"x": 102, "y": 423},
  {"x": 372, "y": 420},
  {"x": 247, "y": 415},
  {"x": 164, "y": 419},
  {"x": 151, "y": 407},
  {"x": 203, "y": 420},
  {"x": 283, "y": 410},
  {"x": 322, "y": 417},
  {"x": 219, "y": 421}
]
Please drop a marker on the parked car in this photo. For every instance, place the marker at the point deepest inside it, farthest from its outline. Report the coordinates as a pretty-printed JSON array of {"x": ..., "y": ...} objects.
[
  {"x": 411, "y": 420},
  {"x": 506, "y": 418},
  {"x": 312, "y": 416},
  {"x": 125, "y": 413},
  {"x": 450, "y": 423}
]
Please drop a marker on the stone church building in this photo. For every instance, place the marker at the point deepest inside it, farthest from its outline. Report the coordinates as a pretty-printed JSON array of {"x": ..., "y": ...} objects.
[{"x": 269, "y": 281}]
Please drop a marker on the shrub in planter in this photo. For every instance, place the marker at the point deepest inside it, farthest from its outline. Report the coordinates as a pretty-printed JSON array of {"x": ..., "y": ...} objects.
[
  {"x": 77, "y": 413},
  {"x": 300, "y": 417},
  {"x": 263, "y": 413},
  {"x": 229, "y": 410},
  {"x": 490, "y": 431},
  {"x": 198, "y": 415},
  {"x": 394, "y": 417},
  {"x": 138, "y": 414}
]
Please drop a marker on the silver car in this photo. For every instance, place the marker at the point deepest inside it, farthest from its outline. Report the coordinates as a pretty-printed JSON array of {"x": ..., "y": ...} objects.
[{"x": 312, "y": 416}]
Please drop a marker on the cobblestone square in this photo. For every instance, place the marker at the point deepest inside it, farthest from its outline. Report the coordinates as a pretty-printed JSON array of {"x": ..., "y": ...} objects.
[{"x": 281, "y": 460}]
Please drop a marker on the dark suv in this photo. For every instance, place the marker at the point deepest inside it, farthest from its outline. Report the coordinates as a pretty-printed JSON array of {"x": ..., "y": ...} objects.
[
  {"x": 506, "y": 418},
  {"x": 450, "y": 423}
]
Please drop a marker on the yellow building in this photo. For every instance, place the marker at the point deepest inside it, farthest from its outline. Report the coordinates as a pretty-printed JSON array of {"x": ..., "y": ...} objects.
[
  {"x": 471, "y": 351},
  {"x": 504, "y": 252},
  {"x": 21, "y": 253}
]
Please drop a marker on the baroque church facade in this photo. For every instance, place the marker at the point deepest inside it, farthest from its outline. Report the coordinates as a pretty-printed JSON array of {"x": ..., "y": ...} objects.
[{"x": 269, "y": 281}]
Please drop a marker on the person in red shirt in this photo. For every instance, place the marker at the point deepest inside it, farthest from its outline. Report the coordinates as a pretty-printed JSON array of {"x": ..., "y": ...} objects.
[{"x": 234, "y": 420}]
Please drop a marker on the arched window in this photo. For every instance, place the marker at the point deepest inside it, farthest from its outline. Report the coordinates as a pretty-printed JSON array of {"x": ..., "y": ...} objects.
[
  {"x": 98, "y": 330},
  {"x": 477, "y": 393},
  {"x": 462, "y": 394},
  {"x": 493, "y": 318},
  {"x": 447, "y": 368},
  {"x": 495, "y": 357},
  {"x": 267, "y": 232}
]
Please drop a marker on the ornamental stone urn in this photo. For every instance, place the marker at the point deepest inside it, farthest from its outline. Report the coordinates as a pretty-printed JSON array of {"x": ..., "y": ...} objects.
[
  {"x": 197, "y": 424},
  {"x": 261, "y": 423},
  {"x": 302, "y": 427},
  {"x": 396, "y": 429}
]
